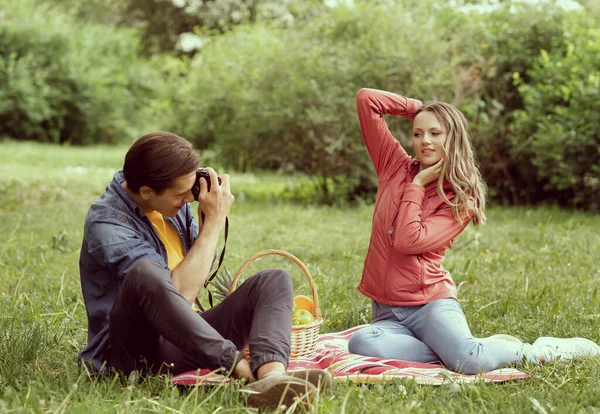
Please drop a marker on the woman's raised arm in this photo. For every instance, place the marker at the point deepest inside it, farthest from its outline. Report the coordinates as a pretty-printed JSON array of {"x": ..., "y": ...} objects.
[{"x": 384, "y": 149}]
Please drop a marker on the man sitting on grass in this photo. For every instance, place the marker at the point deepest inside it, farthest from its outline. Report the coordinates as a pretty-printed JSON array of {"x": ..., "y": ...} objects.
[{"x": 143, "y": 262}]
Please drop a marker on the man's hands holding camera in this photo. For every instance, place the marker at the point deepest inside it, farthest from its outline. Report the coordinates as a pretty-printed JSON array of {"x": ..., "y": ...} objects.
[{"x": 214, "y": 196}]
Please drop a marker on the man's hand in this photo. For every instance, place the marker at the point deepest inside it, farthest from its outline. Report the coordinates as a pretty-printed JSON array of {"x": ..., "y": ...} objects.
[
  {"x": 189, "y": 276},
  {"x": 429, "y": 174},
  {"x": 216, "y": 203}
]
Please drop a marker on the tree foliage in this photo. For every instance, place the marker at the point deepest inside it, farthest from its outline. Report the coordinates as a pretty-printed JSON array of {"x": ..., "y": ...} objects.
[
  {"x": 558, "y": 127},
  {"x": 165, "y": 24},
  {"x": 506, "y": 41},
  {"x": 63, "y": 81},
  {"x": 270, "y": 84},
  {"x": 284, "y": 98}
]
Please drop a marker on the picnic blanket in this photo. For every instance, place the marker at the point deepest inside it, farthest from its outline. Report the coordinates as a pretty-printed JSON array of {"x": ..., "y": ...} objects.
[{"x": 332, "y": 355}]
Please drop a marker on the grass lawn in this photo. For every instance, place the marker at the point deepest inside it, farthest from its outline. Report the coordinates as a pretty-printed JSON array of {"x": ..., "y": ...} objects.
[{"x": 529, "y": 272}]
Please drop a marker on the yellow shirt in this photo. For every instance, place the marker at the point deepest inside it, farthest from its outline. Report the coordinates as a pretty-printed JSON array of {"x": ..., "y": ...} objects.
[{"x": 169, "y": 237}]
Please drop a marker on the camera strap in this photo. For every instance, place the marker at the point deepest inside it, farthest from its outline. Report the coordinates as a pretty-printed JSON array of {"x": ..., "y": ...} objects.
[{"x": 212, "y": 276}]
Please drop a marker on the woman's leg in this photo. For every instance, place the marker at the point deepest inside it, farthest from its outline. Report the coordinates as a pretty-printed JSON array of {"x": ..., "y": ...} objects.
[
  {"x": 386, "y": 337},
  {"x": 442, "y": 325},
  {"x": 439, "y": 331}
]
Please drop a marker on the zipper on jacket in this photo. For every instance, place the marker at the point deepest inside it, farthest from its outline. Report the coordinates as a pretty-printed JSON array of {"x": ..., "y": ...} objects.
[
  {"x": 391, "y": 230},
  {"x": 389, "y": 255},
  {"x": 420, "y": 258}
]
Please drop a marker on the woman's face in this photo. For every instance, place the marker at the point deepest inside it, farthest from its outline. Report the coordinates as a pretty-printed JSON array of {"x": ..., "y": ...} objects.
[{"x": 428, "y": 139}]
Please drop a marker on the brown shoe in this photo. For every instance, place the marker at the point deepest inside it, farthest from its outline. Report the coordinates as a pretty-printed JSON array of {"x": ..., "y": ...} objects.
[
  {"x": 320, "y": 378},
  {"x": 274, "y": 391}
]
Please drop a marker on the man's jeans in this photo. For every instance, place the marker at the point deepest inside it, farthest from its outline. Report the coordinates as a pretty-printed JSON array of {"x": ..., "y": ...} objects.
[{"x": 154, "y": 329}]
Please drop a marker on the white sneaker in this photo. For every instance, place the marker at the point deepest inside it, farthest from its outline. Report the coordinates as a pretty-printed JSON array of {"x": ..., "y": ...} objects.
[{"x": 567, "y": 348}]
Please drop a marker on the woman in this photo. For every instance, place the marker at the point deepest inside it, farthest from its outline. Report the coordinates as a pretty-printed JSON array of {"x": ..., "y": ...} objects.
[{"x": 422, "y": 204}]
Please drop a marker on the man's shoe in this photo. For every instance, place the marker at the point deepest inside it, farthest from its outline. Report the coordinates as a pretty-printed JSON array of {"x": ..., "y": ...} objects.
[
  {"x": 320, "y": 378},
  {"x": 274, "y": 391},
  {"x": 567, "y": 348}
]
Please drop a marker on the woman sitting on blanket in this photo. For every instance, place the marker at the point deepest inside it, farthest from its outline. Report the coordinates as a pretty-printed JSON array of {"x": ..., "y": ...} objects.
[{"x": 422, "y": 204}]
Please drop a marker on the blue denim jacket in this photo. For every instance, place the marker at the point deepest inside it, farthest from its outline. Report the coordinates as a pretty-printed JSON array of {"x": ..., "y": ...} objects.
[{"x": 116, "y": 234}]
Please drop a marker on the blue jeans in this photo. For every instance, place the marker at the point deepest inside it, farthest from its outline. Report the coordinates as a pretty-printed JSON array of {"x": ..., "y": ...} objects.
[{"x": 437, "y": 331}]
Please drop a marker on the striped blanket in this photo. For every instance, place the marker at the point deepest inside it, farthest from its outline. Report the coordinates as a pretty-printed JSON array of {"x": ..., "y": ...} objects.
[{"x": 332, "y": 354}]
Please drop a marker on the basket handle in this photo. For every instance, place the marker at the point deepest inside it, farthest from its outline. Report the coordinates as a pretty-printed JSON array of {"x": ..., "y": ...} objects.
[{"x": 313, "y": 288}]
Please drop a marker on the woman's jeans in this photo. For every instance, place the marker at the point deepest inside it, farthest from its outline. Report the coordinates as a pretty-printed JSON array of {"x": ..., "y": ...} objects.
[{"x": 437, "y": 331}]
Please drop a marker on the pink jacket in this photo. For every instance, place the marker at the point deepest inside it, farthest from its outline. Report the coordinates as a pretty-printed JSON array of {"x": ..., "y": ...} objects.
[{"x": 412, "y": 226}]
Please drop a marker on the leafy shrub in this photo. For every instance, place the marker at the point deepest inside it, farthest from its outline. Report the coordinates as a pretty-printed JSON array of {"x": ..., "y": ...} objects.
[
  {"x": 284, "y": 99},
  {"x": 558, "y": 127},
  {"x": 500, "y": 42},
  {"x": 68, "y": 82},
  {"x": 280, "y": 96}
]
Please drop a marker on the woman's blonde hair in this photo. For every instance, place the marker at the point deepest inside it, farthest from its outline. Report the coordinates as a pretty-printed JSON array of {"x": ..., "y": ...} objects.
[{"x": 460, "y": 167}]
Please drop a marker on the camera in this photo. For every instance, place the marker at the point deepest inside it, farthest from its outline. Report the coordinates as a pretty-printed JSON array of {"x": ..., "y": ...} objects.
[{"x": 201, "y": 172}]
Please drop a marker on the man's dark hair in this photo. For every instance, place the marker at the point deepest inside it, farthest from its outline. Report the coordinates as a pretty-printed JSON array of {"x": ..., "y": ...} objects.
[{"x": 156, "y": 159}]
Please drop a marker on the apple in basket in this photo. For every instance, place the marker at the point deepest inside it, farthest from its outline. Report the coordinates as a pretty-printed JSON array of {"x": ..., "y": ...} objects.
[
  {"x": 303, "y": 309},
  {"x": 302, "y": 317}
]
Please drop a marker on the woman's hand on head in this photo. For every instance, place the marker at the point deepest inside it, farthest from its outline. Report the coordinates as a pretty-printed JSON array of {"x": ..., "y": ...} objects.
[{"x": 429, "y": 174}]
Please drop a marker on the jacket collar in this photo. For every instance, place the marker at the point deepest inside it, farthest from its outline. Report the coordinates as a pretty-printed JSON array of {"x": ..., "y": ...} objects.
[{"x": 116, "y": 187}]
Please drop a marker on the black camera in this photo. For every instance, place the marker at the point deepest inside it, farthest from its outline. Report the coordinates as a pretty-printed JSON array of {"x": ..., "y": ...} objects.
[{"x": 201, "y": 172}]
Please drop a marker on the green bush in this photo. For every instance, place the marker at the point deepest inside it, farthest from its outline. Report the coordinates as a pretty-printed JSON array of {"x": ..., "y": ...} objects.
[
  {"x": 264, "y": 97},
  {"x": 284, "y": 99},
  {"x": 558, "y": 127},
  {"x": 68, "y": 82},
  {"x": 499, "y": 43},
  {"x": 280, "y": 96}
]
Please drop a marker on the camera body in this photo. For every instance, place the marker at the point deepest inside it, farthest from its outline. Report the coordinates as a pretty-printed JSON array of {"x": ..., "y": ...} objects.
[{"x": 201, "y": 172}]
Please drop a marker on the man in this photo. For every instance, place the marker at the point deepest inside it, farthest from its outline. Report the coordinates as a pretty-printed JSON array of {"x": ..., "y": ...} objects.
[{"x": 143, "y": 262}]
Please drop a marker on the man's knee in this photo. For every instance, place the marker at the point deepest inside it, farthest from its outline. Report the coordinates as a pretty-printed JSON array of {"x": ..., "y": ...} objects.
[{"x": 277, "y": 279}]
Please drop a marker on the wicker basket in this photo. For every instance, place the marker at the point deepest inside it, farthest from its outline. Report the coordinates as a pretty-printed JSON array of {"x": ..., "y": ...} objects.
[{"x": 304, "y": 337}]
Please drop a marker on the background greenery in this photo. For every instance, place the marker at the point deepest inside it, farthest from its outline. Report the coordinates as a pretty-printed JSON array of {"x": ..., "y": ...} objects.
[
  {"x": 529, "y": 272},
  {"x": 270, "y": 84},
  {"x": 265, "y": 88}
]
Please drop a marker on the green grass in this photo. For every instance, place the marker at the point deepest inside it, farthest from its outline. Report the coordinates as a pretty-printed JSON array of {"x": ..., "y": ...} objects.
[{"x": 529, "y": 272}]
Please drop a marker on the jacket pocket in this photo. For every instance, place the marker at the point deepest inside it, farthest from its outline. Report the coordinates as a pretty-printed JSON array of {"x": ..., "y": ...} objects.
[{"x": 390, "y": 229}]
